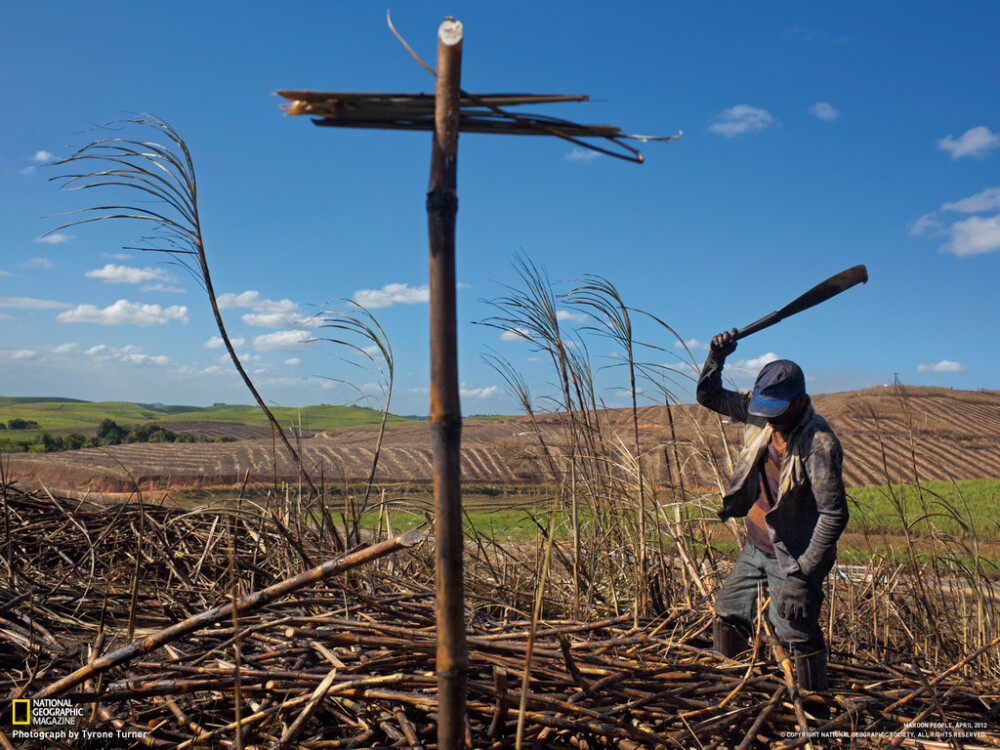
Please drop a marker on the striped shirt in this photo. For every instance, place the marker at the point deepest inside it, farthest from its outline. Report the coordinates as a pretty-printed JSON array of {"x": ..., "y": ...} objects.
[{"x": 757, "y": 532}]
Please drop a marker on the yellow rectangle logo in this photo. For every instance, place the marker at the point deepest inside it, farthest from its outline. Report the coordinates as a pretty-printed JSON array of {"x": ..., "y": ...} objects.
[{"x": 20, "y": 712}]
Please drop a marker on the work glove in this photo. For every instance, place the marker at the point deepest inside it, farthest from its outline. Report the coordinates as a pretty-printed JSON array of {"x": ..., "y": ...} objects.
[
  {"x": 793, "y": 598},
  {"x": 723, "y": 345}
]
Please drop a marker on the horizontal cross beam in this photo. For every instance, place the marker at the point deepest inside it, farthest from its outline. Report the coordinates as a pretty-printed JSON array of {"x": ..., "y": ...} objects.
[{"x": 477, "y": 113}]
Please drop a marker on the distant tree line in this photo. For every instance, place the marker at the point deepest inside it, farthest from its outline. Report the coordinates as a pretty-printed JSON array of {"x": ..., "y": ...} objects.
[
  {"x": 19, "y": 424},
  {"x": 109, "y": 432}
]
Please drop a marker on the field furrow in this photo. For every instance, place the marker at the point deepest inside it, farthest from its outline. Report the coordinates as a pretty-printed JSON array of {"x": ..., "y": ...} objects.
[
  {"x": 947, "y": 455},
  {"x": 392, "y": 462},
  {"x": 958, "y": 419},
  {"x": 495, "y": 467},
  {"x": 420, "y": 460},
  {"x": 473, "y": 466},
  {"x": 957, "y": 434},
  {"x": 958, "y": 462},
  {"x": 862, "y": 470}
]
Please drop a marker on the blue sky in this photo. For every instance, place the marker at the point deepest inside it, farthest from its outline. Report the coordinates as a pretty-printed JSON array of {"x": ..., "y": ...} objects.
[{"x": 815, "y": 137}]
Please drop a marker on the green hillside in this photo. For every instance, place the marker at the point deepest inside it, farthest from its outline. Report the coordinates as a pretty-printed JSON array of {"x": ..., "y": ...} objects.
[{"x": 69, "y": 414}]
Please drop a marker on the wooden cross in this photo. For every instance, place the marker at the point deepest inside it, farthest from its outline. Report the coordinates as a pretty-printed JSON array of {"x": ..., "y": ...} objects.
[{"x": 447, "y": 112}]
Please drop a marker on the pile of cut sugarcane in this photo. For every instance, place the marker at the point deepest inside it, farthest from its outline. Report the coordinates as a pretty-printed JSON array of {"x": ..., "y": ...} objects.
[{"x": 206, "y": 628}]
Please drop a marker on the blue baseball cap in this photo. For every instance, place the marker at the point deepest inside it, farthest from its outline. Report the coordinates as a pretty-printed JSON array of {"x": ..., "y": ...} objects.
[{"x": 777, "y": 384}]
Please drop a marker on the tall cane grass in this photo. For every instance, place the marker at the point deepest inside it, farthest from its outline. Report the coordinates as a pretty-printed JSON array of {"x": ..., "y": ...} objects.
[
  {"x": 156, "y": 186},
  {"x": 359, "y": 332},
  {"x": 924, "y": 597}
]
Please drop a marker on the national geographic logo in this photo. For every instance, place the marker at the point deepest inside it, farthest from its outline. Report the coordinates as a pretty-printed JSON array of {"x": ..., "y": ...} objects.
[
  {"x": 44, "y": 712},
  {"x": 55, "y": 722}
]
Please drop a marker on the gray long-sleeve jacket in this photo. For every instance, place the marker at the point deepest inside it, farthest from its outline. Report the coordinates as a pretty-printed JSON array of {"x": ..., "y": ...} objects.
[{"x": 810, "y": 511}]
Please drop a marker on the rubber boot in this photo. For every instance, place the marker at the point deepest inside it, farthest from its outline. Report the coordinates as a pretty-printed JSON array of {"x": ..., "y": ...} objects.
[
  {"x": 727, "y": 639},
  {"x": 810, "y": 668}
]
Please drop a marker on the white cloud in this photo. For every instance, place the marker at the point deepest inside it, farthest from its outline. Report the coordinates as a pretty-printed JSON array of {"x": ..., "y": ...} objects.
[
  {"x": 691, "y": 344},
  {"x": 29, "y": 303},
  {"x": 974, "y": 236},
  {"x": 985, "y": 200},
  {"x": 38, "y": 263},
  {"x": 243, "y": 299},
  {"x": 282, "y": 341},
  {"x": 167, "y": 288},
  {"x": 23, "y": 354},
  {"x": 287, "y": 382},
  {"x": 66, "y": 348},
  {"x": 112, "y": 274},
  {"x": 56, "y": 238},
  {"x": 124, "y": 312},
  {"x": 759, "y": 362},
  {"x": 516, "y": 334},
  {"x": 145, "y": 359},
  {"x": 945, "y": 365},
  {"x": 976, "y": 142},
  {"x": 217, "y": 370},
  {"x": 245, "y": 357},
  {"x": 392, "y": 294},
  {"x": 252, "y": 300},
  {"x": 293, "y": 362},
  {"x": 43, "y": 156},
  {"x": 216, "y": 342},
  {"x": 130, "y": 355},
  {"x": 279, "y": 320},
  {"x": 582, "y": 154},
  {"x": 749, "y": 368},
  {"x": 116, "y": 256},
  {"x": 6, "y": 273},
  {"x": 27, "y": 171},
  {"x": 573, "y": 317},
  {"x": 926, "y": 223},
  {"x": 487, "y": 392},
  {"x": 741, "y": 119},
  {"x": 267, "y": 313},
  {"x": 824, "y": 111}
]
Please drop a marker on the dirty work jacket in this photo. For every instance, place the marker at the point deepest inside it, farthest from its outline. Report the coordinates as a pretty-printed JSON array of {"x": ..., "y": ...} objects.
[{"x": 810, "y": 511}]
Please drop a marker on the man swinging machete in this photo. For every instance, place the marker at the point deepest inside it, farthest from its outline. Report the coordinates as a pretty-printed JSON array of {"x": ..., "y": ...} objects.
[{"x": 788, "y": 486}]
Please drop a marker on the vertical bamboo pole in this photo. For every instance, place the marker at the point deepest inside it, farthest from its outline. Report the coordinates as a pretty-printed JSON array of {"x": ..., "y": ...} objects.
[{"x": 446, "y": 415}]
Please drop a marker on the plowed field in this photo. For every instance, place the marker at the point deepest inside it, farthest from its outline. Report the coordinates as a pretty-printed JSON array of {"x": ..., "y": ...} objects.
[{"x": 955, "y": 435}]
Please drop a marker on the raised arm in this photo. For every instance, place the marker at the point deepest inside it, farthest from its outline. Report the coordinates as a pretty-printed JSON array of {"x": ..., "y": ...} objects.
[{"x": 710, "y": 392}]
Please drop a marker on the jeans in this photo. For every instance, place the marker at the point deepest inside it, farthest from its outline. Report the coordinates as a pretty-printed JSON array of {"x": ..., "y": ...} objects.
[{"x": 736, "y": 601}]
